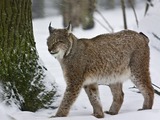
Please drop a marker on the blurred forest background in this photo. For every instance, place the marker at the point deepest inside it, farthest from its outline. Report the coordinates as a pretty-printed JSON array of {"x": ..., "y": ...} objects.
[
  {"x": 45, "y": 8},
  {"x": 81, "y": 11}
]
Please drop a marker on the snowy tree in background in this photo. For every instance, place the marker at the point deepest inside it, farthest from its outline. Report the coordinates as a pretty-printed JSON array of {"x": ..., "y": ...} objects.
[
  {"x": 78, "y": 12},
  {"x": 21, "y": 72}
]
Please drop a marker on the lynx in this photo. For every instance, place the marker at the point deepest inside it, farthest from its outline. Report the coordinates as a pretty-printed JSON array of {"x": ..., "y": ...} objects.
[{"x": 107, "y": 59}]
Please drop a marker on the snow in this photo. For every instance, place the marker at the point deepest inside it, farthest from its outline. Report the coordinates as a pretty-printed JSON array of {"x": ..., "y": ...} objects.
[{"x": 82, "y": 108}]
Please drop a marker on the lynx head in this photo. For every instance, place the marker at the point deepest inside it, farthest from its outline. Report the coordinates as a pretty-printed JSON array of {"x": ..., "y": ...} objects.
[{"x": 58, "y": 42}]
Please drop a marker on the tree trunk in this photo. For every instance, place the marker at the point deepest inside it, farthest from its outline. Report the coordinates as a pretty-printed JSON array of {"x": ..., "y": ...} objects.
[
  {"x": 37, "y": 8},
  {"x": 78, "y": 12},
  {"x": 71, "y": 12},
  {"x": 20, "y": 71},
  {"x": 88, "y": 7}
]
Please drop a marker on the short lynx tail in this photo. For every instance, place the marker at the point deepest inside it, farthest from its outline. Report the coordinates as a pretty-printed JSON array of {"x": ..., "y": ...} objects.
[{"x": 146, "y": 37}]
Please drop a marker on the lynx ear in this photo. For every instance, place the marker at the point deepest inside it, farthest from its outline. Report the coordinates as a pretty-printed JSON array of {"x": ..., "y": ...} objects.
[
  {"x": 69, "y": 27},
  {"x": 50, "y": 28}
]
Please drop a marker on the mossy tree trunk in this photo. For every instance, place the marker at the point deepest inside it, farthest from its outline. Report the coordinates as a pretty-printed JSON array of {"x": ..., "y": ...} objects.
[{"x": 20, "y": 71}]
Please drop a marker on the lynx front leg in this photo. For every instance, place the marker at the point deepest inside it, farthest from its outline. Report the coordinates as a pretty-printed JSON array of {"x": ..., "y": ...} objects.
[
  {"x": 93, "y": 95},
  {"x": 118, "y": 95},
  {"x": 70, "y": 95}
]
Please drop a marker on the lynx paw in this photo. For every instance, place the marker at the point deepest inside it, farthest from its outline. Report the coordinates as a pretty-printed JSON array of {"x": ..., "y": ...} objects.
[
  {"x": 98, "y": 115},
  {"x": 111, "y": 113},
  {"x": 52, "y": 116}
]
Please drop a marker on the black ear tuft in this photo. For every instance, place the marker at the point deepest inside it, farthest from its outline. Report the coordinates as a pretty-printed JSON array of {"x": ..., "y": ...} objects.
[
  {"x": 50, "y": 28},
  {"x": 69, "y": 27}
]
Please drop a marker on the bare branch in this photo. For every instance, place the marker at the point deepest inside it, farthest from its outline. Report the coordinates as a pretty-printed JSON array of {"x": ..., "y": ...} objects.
[
  {"x": 134, "y": 11},
  {"x": 112, "y": 30},
  {"x": 156, "y": 36},
  {"x": 148, "y": 4},
  {"x": 124, "y": 14},
  {"x": 102, "y": 25}
]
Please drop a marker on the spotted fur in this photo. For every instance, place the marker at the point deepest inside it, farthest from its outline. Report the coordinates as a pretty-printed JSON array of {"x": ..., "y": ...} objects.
[{"x": 105, "y": 59}]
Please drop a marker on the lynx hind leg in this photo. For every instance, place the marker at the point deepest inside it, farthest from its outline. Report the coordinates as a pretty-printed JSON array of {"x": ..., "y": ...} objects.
[
  {"x": 118, "y": 95},
  {"x": 144, "y": 85},
  {"x": 140, "y": 76},
  {"x": 93, "y": 95}
]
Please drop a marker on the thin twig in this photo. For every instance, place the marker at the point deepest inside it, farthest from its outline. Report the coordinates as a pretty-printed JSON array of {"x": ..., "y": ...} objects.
[
  {"x": 156, "y": 36},
  {"x": 124, "y": 13},
  {"x": 148, "y": 4},
  {"x": 155, "y": 86},
  {"x": 102, "y": 25},
  {"x": 155, "y": 91},
  {"x": 134, "y": 11},
  {"x": 112, "y": 30}
]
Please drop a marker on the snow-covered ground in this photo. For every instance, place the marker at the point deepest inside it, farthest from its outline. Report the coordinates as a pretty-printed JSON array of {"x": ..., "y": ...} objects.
[{"x": 82, "y": 110}]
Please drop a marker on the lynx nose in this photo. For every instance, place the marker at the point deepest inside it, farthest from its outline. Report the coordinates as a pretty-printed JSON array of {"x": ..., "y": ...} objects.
[
  {"x": 49, "y": 49},
  {"x": 52, "y": 52}
]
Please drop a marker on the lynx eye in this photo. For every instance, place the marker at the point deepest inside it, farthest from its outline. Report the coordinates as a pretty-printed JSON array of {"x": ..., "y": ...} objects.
[{"x": 58, "y": 42}]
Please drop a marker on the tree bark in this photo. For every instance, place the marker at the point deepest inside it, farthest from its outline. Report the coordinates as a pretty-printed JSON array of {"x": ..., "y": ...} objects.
[
  {"x": 71, "y": 12},
  {"x": 37, "y": 8},
  {"x": 87, "y": 10},
  {"x": 79, "y": 12},
  {"x": 20, "y": 71}
]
